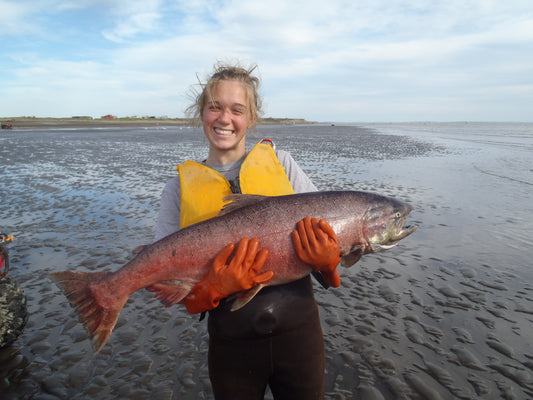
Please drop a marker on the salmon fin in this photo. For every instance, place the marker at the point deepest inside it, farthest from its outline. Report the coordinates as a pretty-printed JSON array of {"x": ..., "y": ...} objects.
[
  {"x": 236, "y": 201},
  {"x": 243, "y": 298},
  {"x": 98, "y": 320},
  {"x": 169, "y": 292},
  {"x": 353, "y": 256}
]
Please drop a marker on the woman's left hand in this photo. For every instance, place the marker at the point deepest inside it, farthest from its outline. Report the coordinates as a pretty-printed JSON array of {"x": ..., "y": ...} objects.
[{"x": 316, "y": 244}]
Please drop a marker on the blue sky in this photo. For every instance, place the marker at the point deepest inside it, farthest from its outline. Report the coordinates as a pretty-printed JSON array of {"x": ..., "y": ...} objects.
[{"x": 335, "y": 60}]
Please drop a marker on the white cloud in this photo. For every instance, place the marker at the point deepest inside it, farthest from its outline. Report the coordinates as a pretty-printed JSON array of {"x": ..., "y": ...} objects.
[
  {"x": 15, "y": 19},
  {"x": 131, "y": 18},
  {"x": 318, "y": 60},
  {"x": 131, "y": 26}
]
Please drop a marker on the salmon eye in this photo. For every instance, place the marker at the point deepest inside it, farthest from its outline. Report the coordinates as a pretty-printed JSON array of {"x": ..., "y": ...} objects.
[{"x": 398, "y": 214}]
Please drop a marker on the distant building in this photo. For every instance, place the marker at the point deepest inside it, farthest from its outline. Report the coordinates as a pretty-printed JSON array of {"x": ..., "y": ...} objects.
[{"x": 109, "y": 116}]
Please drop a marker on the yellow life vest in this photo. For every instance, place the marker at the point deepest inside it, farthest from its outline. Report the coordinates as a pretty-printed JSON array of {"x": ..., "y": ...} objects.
[{"x": 202, "y": 189}]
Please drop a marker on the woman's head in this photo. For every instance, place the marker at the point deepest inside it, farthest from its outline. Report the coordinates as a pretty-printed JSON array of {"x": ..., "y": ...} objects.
[
  {"x": 227, "y": 106},
  {"x": 224, "y": 72}
]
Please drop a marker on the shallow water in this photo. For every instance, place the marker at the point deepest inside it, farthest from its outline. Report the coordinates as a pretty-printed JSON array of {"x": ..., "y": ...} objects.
[{"x": 446, "y": 314}]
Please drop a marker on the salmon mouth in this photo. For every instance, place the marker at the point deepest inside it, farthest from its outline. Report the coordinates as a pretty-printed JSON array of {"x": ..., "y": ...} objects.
[
  {"x": 404, "y": 232},
  {"x": 392, "y": 236}
]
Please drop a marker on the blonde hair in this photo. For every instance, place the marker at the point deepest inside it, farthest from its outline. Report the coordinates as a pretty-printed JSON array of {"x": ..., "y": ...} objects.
[{"x": 226, "y": 72}]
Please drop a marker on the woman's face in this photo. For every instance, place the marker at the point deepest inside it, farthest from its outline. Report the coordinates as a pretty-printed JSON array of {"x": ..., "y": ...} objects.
[{"x": 225, "y": 119}]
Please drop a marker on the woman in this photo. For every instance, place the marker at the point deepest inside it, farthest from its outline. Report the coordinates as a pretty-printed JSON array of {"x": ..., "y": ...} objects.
[{"x": 276, "y": 339}]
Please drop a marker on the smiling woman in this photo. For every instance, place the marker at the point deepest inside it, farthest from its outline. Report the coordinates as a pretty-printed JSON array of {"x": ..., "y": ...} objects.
[{"x": 277, "y": 335}]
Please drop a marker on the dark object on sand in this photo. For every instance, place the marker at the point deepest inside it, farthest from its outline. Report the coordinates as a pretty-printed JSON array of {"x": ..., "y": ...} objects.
[{"x": 13, "y": 309}]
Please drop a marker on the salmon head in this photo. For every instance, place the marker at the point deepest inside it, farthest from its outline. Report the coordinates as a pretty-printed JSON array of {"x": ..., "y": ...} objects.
[
  {"x": 381, "y": 224},
  {"x": 385, "y": 224}
]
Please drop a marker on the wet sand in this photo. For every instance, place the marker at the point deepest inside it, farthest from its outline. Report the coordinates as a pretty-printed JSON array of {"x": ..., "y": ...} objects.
[{"x": 446, "y": 314}]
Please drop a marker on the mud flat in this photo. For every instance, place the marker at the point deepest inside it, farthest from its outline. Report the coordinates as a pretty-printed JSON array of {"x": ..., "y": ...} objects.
[
  {"x": 447, "y": 314},
  {"x": 27, "y": 123},
  {"x": 88, "y": 123}
]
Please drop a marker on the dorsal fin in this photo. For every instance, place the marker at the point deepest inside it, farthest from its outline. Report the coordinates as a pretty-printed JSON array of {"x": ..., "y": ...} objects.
[{"x": 239, "y": 201}]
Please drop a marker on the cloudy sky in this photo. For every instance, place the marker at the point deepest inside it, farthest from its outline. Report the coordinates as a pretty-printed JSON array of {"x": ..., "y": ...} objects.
[{"x": 334, "y": 60}]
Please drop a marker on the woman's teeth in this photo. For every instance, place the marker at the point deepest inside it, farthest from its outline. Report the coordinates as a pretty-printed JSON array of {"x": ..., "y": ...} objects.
[{"x": 223, "y": 132}]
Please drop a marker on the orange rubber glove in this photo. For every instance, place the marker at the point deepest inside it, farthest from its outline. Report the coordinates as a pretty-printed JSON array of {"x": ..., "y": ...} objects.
[
  {"x": 316, "y": 244},
  {"x": 228, "y": 277}
]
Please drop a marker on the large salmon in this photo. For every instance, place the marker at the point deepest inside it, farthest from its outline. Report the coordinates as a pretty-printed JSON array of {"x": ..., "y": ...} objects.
[{"x": 364, "y": 223}]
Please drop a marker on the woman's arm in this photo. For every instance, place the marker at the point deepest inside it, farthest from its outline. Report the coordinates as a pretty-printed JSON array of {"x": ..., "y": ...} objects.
[
  {"x": 299, "y": 180},
  {"x": 168, "y": 220}
]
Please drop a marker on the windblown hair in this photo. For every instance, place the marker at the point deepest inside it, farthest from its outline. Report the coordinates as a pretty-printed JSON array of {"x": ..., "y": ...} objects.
[{"x": 226, "y": 72}]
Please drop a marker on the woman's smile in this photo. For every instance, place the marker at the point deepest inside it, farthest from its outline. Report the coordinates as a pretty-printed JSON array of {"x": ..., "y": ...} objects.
[{"x": 223, "y": 132}]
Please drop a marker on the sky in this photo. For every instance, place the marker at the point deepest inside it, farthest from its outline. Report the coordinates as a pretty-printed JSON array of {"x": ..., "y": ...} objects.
[{"x": 329, "y": 61}]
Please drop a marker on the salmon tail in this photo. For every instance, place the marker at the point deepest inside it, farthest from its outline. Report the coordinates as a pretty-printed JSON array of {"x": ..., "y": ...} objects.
[{"x": 98, "y": 317}]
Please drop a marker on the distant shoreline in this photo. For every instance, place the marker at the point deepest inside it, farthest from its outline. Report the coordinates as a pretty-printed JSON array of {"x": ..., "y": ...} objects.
[{"x": 29, "y": 122}]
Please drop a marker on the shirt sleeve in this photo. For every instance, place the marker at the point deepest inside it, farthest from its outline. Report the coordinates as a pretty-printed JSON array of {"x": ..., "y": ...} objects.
[
  {"x": 168, "y": 219},
  {"x": 299, "y": 180}
]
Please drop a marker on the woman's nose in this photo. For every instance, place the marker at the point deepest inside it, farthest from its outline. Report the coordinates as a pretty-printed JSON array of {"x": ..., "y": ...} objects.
[{"x": 224, "y": 116}]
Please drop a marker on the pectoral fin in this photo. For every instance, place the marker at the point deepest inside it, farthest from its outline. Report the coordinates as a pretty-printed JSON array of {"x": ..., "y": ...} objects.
[
  {"x": 353, "y": 256},
  {"x": 169, "y": 292},
  {"x": 243, "y": 298}
]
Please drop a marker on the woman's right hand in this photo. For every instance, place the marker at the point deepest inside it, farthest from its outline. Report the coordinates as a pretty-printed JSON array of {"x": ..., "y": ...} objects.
[{"x": 227, "y": 277}]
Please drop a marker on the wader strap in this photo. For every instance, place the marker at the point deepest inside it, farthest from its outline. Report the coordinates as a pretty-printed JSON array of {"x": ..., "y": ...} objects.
[
  {"x": 235, "y": 186},
  {"x": 320, "y": 279}
]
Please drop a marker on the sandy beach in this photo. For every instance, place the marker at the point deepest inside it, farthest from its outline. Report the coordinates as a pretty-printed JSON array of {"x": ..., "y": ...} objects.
[{"x": 447, "y": 314}]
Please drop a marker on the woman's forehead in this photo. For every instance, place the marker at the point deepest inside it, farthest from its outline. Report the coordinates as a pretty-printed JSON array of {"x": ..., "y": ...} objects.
[{"x": 230, "y": 92}]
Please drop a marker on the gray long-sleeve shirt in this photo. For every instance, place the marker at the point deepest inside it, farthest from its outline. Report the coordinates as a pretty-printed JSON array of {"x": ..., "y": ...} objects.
[{"x": 168, "y": 220}]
